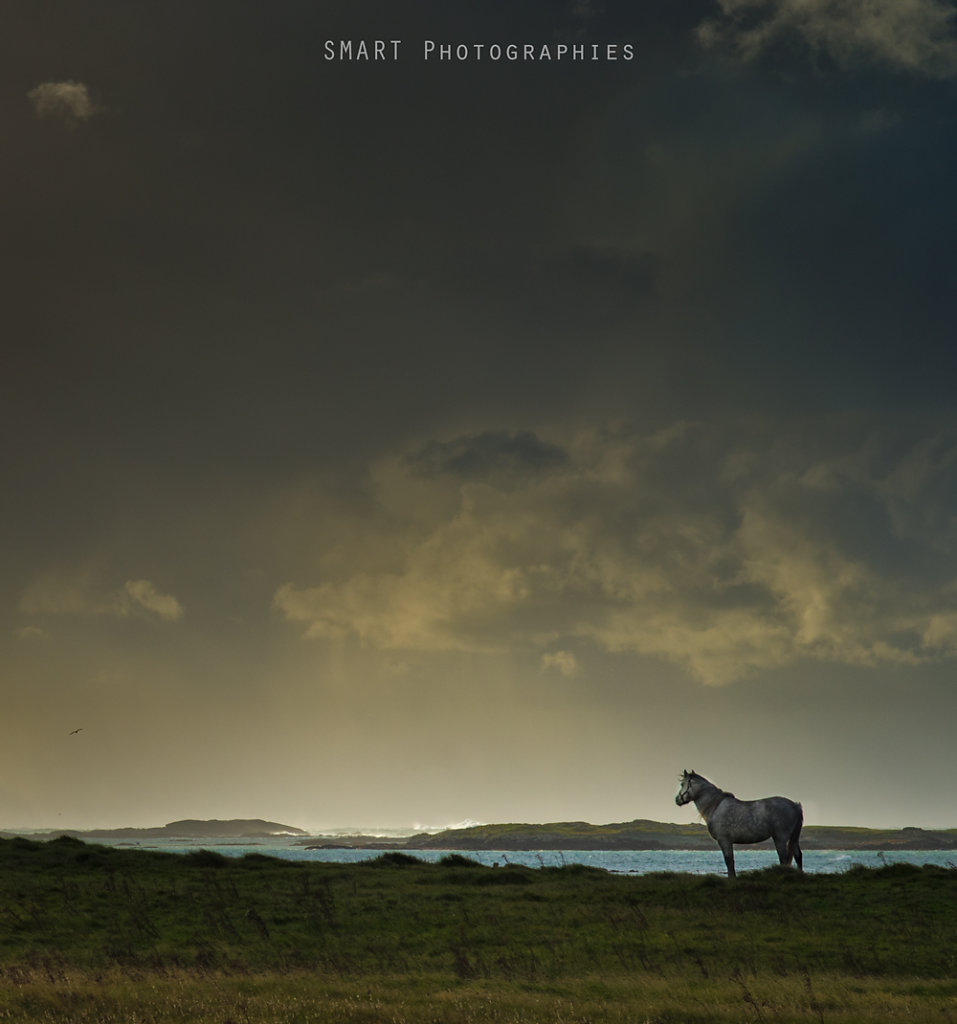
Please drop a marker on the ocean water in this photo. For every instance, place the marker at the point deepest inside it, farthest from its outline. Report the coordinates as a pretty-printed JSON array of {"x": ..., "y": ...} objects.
[{"x": 629, "y": 862}]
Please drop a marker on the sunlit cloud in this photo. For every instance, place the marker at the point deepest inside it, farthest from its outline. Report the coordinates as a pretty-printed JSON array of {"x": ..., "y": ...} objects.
[
  {"x": 143, "y": 594},
  {"x": 28, "y": 633},
  {"x": 69, "y": 100},
  {"x": 913, "y": 35},
  {"x": 447, "y": 582},
  {"x": 724, "y": 556},
  {"x": 79, "y": 593},
  {"x": 562, "y": 661}
]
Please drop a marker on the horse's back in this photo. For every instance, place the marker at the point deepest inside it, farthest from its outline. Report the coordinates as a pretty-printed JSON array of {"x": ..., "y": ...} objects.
[
  {"x": 782, "y": 811},
  {"x": 783, "y": 803}
]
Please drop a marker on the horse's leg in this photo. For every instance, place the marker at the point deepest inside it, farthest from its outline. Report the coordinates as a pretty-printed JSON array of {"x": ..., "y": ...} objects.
[
  {"x": 782, "y": 845},
  {"x": 794, "y": 848},
  {"x": 727, "y": 848}
]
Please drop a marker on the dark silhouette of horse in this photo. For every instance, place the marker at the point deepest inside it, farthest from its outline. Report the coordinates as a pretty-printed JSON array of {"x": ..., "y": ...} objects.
[{"x": 731, "y": 821}]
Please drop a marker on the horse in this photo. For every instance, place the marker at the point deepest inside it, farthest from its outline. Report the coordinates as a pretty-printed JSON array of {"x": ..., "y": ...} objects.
[{"x": 731, "y": 821}]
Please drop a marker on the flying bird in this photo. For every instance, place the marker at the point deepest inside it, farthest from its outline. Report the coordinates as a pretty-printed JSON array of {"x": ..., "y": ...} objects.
[{"x": 75, "y": 731}]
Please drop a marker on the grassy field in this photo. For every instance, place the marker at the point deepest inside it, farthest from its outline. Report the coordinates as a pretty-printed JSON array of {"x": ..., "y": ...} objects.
[{"x": 93, "y": 934}]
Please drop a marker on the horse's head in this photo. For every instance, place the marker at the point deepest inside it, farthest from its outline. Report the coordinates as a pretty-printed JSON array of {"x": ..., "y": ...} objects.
[{"x": 685, "y": 794}]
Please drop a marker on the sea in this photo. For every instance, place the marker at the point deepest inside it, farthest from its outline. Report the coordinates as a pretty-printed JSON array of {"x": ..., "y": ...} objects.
[{"x": 622, "y": 862}]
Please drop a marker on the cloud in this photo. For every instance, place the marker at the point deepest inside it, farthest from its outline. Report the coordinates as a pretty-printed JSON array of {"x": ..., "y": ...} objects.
[
  {"x": 143, "y": 594},
  {"x": 719, "y": 551},
  {"x": 79, "y": 593},
  {"x": 484, "y": 455},
  {"x": 449, "y": 596},
  {"x": 586, "y": 10},
  {"x": 69, "y": 100},
  {"x": 563, "y": 661},
  {"x": 29, "y": 633},
  {"x": 912, "y": 35},
  {"x": 73, "y": 592}
]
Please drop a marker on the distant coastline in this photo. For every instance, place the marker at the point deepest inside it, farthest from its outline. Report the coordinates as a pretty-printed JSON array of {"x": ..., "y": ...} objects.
[
  {"x": 641, "y": 834},
  {"x": 188, "y": 828}
]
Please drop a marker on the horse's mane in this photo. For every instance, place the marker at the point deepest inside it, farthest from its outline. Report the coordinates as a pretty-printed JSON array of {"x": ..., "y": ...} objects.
[{"x": 713, "y": 796}]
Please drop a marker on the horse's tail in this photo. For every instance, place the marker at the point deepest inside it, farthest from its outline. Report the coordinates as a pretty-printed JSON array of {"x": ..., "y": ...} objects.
[{"x": 793, "y": 848}]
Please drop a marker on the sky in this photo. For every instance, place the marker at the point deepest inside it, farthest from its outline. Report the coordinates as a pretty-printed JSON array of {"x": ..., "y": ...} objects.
[{"x": 406, "y": 441}]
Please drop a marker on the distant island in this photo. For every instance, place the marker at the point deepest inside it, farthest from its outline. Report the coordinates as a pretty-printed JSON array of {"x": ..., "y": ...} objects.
[
  {"x": 636, "y": 835},
  {"x": 188, "y": 828}
]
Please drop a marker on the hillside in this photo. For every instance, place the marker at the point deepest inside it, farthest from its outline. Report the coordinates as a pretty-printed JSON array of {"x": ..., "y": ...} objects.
[{"x": 654, "y": 835}]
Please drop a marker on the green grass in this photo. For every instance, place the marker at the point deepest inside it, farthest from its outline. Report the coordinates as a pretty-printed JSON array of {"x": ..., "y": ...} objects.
[{"x": 92, "y": 934}]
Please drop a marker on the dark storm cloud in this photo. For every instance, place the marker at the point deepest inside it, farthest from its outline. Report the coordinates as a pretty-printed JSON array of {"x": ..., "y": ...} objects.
[
  {"x": 259, "y": 260},
  {"x": 227, "y": 214},
  {"x": 490, "y": 454},
  {"x": 662, "y": 240},
  {"x": 913, "y": 35}
]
